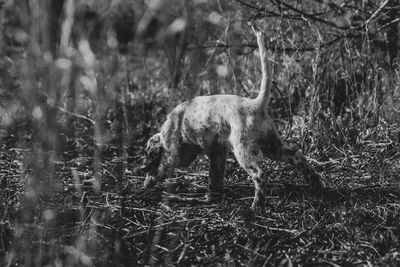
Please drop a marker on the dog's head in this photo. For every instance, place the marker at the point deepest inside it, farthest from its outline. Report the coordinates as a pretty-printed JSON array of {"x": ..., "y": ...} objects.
[{"x": 154, "y": 150}]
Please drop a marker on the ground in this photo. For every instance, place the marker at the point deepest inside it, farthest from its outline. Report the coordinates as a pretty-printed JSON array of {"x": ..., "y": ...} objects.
[{"x": 354, "y": 221}]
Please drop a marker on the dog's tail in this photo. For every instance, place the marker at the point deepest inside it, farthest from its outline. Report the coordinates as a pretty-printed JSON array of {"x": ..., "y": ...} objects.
[{"x": 266, "y": 69}]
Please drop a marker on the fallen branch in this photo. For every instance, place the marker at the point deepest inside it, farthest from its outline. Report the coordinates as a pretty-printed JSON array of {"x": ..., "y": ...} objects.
[{"x": 76, "y": 115}]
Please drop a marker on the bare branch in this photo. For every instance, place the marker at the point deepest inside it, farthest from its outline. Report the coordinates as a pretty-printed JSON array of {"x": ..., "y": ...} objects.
[
  {"x": 275, "y": 47},
  {"x": 376, "y": 12},
  {"x": 313, "y": 17}
]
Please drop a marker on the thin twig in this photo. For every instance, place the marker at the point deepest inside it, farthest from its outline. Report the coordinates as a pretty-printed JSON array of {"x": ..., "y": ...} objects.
[
  {"x": 76, "y": 115},
  {"x": 376, "y": 12}
]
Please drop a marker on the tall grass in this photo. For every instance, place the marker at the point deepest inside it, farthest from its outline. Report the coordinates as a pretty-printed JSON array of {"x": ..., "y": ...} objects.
[{"x": 75, "y": 116}]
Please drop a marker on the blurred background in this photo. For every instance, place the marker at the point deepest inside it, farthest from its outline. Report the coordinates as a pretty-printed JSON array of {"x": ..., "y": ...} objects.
[{"x": 84, "y": 84}]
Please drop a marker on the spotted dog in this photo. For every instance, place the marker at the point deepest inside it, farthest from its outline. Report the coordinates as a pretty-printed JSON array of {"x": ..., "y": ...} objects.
[{"x": 214, "y": 125}]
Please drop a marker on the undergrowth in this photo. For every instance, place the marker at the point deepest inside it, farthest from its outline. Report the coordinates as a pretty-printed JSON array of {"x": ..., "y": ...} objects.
[{"x": 354, "y": 221}]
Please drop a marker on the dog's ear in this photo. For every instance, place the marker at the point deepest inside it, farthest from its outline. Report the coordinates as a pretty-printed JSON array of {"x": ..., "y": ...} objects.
[
  {"x": 153, "y": 154},
  {"x": 154, "y": 143}
]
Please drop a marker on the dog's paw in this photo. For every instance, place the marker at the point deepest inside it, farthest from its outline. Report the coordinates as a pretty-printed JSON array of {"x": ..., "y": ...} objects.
[
  {"x": 213, "y": 196},
  {"x": 258, "y": 207},
  {"x": 315, "y": 182},
  {"x": 150, "y": 181}
]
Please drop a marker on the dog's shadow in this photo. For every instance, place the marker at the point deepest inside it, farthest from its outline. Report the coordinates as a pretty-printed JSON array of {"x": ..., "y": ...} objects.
[
  {"x": 182, "y": 193},
  {"x": 339, "y": 196}
]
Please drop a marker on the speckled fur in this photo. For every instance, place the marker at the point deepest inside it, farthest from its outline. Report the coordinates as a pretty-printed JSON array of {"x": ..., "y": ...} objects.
[{"x": 213, "y": 125}]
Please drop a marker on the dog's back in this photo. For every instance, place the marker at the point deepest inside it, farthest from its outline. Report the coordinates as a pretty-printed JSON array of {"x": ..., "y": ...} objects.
[{"x": 208, "y": 119}]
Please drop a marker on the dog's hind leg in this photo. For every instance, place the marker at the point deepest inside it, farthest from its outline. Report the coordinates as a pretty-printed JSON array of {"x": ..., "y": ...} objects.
[
  {"x": 274, "y": 148},
  {"x": 297, "y": 158},
  {"x": 247, "y": 156}
]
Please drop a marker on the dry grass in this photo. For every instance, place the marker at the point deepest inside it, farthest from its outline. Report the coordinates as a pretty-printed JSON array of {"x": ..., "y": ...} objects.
[{"x": 355, "y": 221}]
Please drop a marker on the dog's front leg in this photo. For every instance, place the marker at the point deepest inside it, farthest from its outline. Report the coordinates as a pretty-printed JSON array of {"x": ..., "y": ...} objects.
[
  {"x": 169, "y": 160},
  {"x": 217, "y": 157}
]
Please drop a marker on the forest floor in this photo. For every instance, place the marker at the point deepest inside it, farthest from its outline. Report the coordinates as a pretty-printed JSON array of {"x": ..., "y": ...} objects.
[{"x": 354, "y": 221}]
